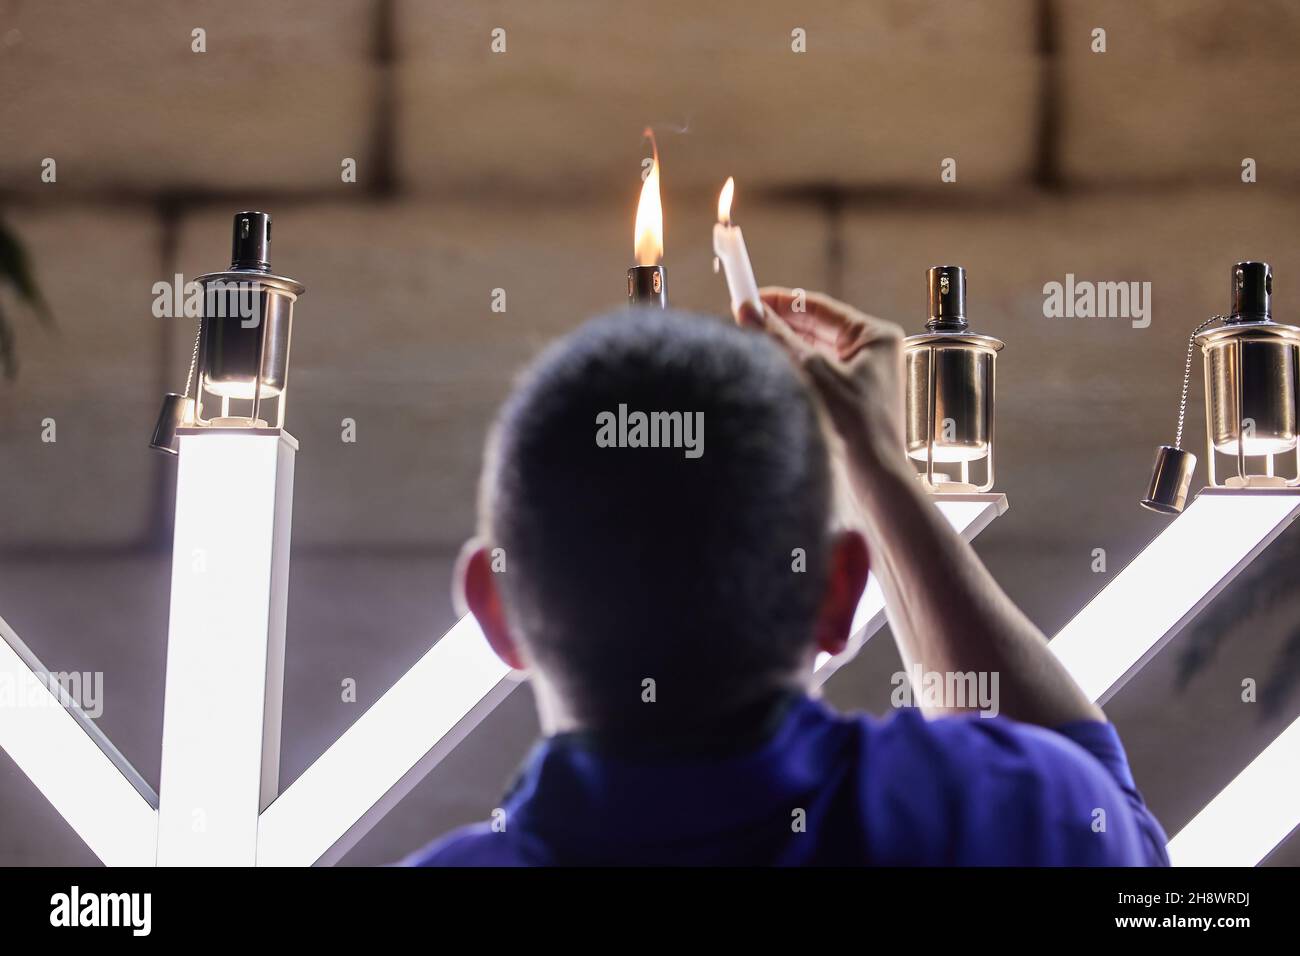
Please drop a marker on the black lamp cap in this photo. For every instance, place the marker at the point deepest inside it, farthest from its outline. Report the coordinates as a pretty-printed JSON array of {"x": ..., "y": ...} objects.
[
  {"x": 251, "y": 247},
  {"x": 648, "y": 286},
  {"x": 1252, "y": 292},
  {"x": 947, "y": 299}
]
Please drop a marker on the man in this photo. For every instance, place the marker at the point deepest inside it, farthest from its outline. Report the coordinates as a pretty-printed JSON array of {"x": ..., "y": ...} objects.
[{"x": 668, "y": 581}]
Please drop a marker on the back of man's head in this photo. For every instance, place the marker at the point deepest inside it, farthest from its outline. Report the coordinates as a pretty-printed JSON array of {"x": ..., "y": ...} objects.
[{"x": 698, "y": 566}]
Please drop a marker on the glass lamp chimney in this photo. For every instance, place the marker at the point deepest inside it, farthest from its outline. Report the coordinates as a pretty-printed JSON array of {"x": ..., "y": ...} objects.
[
  {"x": 246, "y": 327},
  {"x": 1250, "y": 366},
  {"x": 950, "y": 375}
]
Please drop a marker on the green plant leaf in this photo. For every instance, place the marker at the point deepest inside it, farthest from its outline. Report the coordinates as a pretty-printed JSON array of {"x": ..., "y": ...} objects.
[
  {"x": 16, "y": 270},
  {"x": 15, "y": 267},
  {"x": 8, "y": 356}
]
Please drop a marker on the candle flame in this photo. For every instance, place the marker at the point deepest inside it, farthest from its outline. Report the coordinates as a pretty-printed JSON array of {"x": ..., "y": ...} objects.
[
  {"x": 724, "y": 201},
  {"x": 649, "y": 235}
]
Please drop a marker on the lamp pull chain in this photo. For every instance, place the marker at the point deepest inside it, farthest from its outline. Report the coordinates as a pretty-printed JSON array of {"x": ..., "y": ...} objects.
[
  {"x": 194, "y": 361},
  {"x": 1187, "y": 375}
]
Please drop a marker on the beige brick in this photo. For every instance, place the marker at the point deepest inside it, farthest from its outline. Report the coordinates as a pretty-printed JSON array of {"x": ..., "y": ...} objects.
[
  {"x": 1185, "y": 91},
  {"x": 112, "y": 92},
  {"x": 396, "y": 332},
  {"x": 1180, "y": 29},
  {"x": 883, "y": 95}
]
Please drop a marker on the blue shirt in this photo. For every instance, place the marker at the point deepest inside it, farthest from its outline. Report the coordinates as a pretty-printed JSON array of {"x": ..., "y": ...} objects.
[{"x": 828, "y": 789}]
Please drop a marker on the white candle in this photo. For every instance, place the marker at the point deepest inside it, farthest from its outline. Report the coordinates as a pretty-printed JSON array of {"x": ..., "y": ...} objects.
[{"x": 729, "y": 247}]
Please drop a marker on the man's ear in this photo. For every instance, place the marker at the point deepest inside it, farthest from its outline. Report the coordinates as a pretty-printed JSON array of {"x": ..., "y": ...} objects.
[
  {"x": 478, "y": 593},
  {"x": 850, "y": 565}
]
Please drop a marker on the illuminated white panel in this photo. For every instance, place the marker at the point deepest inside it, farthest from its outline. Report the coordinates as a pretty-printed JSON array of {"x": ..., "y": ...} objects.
[
  {"x": 390, "y": 748},
  {"x": 969, "y": 515},
  {"x": 71, "y": 762},
  {"x": 1165, "y": 586},
  {"x": 1251, "y": 815},
  {"x": 225, "y": 645}
]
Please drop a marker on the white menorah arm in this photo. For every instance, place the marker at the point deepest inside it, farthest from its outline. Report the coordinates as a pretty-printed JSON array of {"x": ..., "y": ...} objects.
[
  {"x": 1152, "y": 600},
  {"x": 1246, "y": 821},
  {"x": 71, "y": 762},
  {"x": 390, "y": 749},
  {"x": 1163, "y": 589},
  {"x": 437, "y": 704}
]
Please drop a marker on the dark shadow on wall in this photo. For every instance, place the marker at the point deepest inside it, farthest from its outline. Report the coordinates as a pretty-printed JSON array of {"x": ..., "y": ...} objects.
[{"x": 1263, "y": 600}]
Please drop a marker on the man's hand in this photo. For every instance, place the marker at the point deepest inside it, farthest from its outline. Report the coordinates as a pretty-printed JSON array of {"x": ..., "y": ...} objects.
[
  {"x": 945, "y": 610},
  {"x": 853, "y": 361}
]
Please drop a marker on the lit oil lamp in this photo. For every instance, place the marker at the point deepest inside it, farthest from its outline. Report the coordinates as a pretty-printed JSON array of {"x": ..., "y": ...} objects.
[
  {"x": 241, "y": 352},
  {"x": 1251, "y": 364},
  {"x": 646, "y": 281}
]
